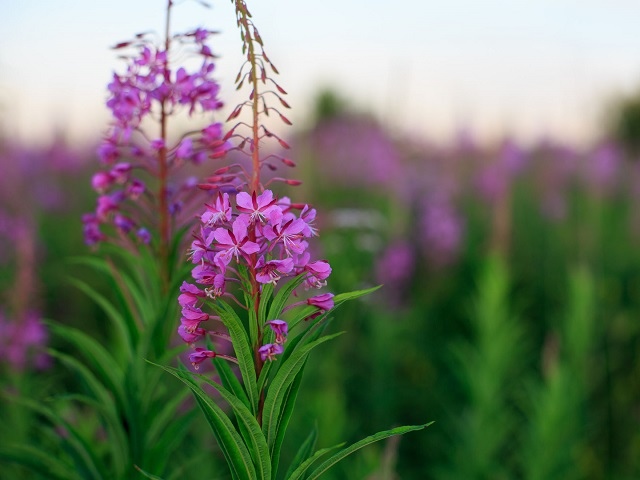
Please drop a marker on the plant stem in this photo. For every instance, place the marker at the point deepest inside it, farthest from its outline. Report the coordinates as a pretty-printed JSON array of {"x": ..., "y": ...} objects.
[{"x": 164, "y": 168}]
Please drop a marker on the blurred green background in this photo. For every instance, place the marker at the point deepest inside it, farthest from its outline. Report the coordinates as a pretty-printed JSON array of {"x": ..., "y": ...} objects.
[{"x": 509, "y": 312}]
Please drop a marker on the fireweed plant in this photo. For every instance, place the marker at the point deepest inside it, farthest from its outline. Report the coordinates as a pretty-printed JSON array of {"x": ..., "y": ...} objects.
[
  {"x": 129, "y": 413},
  {"x": 251, "y": 270}
]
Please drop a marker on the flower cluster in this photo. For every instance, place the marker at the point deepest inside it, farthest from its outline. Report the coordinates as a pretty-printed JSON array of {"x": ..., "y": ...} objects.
[
  {"x": 23, "y": 342},
  {"x": 151, "y": 90},
  {"x": 262, "y": 236}
]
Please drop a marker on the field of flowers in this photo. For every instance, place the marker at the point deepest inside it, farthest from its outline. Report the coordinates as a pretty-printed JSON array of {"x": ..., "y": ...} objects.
[{"x": 508, "y": 314}]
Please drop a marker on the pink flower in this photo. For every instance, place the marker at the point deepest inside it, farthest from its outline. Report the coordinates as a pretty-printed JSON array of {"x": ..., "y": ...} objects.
[
  {"x": 101, "y": 181},
  {"x": 289, "y": 234},
  {"x": 234, "y": 243},
  {"x": 324, "y": 302},
  {"x": 258, "y": 208},
  {"x": 192, "y": 316},
  {"x": 219, "y": 212},
  {"x": 280, "y": 328},
  {"x": 273, "y": 270},
  {"x": 269, "y": 351},
  {"x": 189, "y": 294},
  {"x": 191, "y": 336},
  {"x": 318, "y": 271},
  {"x": 200, "y": 355}
]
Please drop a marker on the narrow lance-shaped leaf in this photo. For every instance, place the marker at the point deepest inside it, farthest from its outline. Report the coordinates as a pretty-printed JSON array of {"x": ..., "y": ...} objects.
[
  {"x": 331, "y": 461},
  {"x": 304, "y": 452},
  {"x": 277, "y": 390},
  {"x": 242, "y": 350},
  {"x": 256, "y": 440},
  {"x": 231, "y": 444}
]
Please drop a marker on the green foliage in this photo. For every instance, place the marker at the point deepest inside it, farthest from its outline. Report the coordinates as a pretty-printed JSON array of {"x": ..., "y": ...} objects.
[
  {"x": 132, "y": 403},
  {"x": 252, "y": 443}
]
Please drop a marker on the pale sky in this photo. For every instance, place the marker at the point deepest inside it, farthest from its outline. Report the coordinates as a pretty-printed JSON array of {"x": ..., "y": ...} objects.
[{"x": 526, "y": 68}]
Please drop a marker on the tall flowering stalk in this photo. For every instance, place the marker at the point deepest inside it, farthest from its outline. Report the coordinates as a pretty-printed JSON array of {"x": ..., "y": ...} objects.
[
  {"x": 140, "y": 194},
  {"x": 250, "y": 255},
  {"x": 143, "y": 213}
]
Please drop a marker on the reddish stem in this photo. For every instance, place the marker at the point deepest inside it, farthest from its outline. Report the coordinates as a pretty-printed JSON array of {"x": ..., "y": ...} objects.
[{"x": 163, "y": 170}]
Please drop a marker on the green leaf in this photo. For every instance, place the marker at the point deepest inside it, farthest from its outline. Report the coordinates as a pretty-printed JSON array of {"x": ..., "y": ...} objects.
[
  {"x": 102, "y": 362},
  {"x": 255, "y": 438},
  {"x": 115, "y": 431},
  {"x": 304, "y": 452},
  {"x": 147, "y": 474},
  {"x": 229, "y": 380},
  {"x": 272, "y": 412},
  {"x": 36, "y": 460},
  {"x": 289, "y": 403},
  {"x": 265, "y": 300},
  {"x": 161, "y": 452},
  {"x": 79, "y": 447},
  {"x": 167, "y": 414},
  {"x": 253, "y": 319},
  {"x": 345, "y": 297},
  {"x": 280, "y": 300},
  {"x": 331, "y": 461},
  {"x": 232, "y": 446},
  {"x": 126, "y": 330},
  {"x": 299, "y": 472},
  {"x": 243, "y": 351}
]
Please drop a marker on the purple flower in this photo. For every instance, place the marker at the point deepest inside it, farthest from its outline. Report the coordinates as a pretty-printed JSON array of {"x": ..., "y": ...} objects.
[
  {"x": 135, "y": 189},
  {"x": 120, "y": 172},
  {"x": 234, "y": 243},
  {"x": 280, "y": 328},
  {"x": 108, "y": 152},
  {"x": 106, "y": 205},
  {"x": 144, "y": 235},
  {"x": 318, "y": 271},
  {"x": 288, "y": 234},
  {"x": 258, "y": 208},
  {"x": 324, "y": 302},
  {"x": 191, "y": 336},
  {"x": 185, "y": 149},
  {"x": 219, "y": 212},
  {"x": 192, "y": 316},
  {"x": 273, "y": 270},
  {"x": 189, "y": 294},
  {"x": 204, "y": 274},
  {"x": 123, "y": 223},
  {"x": 199, "y": 356},
  {"x": 101, "y": 181},
  {"x": 269, "y": 351}
]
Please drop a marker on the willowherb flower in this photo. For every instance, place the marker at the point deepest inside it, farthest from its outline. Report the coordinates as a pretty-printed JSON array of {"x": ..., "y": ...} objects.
[
  {"x": 257, "y": 234},
  {"x": 140, "y": 167},
  {"x": 22, "y": 342},
  {"x": 441, "y": 230}
]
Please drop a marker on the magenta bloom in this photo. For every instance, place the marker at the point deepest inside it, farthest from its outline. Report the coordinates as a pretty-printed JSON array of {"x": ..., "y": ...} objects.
[
  {"x": 192, "y": 317},
  {"x": 218, "y": 213},
  {"x": 257, "y": 207},
  {"x": 289, "y": 234},
  {"x": 269, "y": 351},
  {"x": 324, "y": 302},
  {"x": 234, "y": 243},
  {"x": 200, "y": 355},
  {"x": 189, "y": 294},
  {"x": 101, "y": 181},
  {"x": 191, "y": 337},
  {"x": 280, "y": 328},
  {"x": 318, "y": 272},
  {"x": 273, "y": 270}
]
